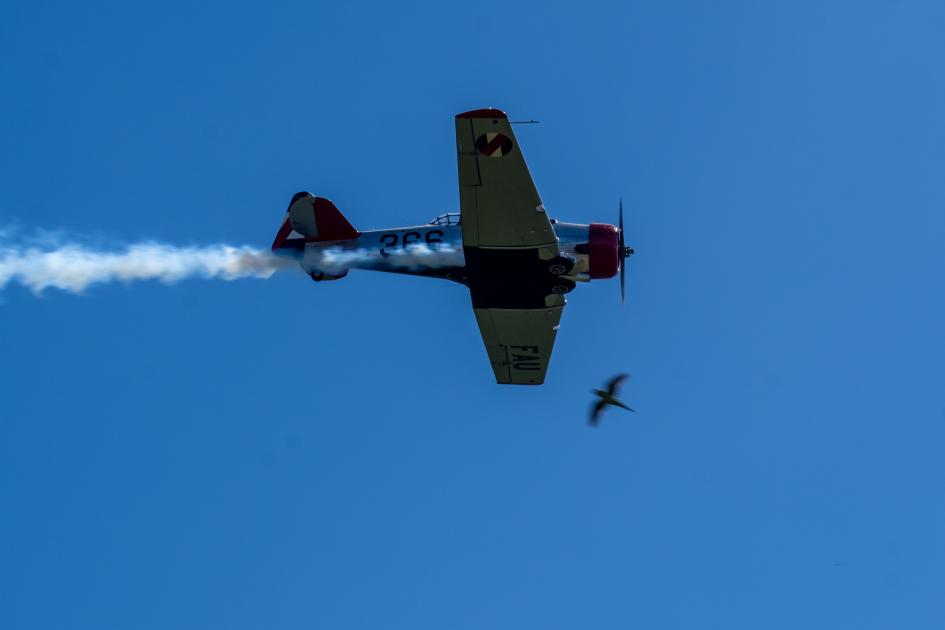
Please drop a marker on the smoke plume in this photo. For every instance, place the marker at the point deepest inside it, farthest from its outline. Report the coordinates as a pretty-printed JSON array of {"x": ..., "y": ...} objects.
[
  {"x": 73, "y": 267},
  {"x": 51, "y": 262},
  {"x": 413, "y": 257}
]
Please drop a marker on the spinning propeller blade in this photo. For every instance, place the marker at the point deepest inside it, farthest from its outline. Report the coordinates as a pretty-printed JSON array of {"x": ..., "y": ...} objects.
[{"x": 624, "y": 252}]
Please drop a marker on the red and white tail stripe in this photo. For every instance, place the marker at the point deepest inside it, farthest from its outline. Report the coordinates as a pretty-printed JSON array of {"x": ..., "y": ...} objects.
[{"x": 312, "y": 219}]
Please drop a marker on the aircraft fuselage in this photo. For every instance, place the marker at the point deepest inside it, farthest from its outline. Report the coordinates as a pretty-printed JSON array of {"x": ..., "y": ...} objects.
[{"x": 425, "y": 250}]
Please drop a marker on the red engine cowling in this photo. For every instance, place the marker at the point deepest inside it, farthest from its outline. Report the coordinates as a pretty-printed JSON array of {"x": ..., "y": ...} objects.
[{"x": 603, "y": 254}]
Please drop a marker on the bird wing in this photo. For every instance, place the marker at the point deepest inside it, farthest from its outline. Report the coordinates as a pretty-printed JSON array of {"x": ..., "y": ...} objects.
[
  {"x": 596, "y": 409},
  {"x": 618, "y": 403},
  {"x": 615, "y": 382}
]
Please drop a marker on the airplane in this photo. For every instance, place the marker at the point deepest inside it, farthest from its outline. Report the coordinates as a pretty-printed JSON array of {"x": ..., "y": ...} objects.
[
  {"x": 607, "y": 398},
  {"x": 516, "y": 261}
]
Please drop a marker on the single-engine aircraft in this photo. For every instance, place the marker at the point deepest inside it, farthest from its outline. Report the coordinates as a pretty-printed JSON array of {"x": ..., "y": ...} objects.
[{"x": 517, "y": 263}]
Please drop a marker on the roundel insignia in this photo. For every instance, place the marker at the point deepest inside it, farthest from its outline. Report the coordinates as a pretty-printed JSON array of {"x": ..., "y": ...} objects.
[{"x": 493, "y": 144}]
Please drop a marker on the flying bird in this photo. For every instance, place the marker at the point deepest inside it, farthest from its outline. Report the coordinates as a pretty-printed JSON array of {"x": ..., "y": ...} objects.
[{"x": 607, "y": 397}]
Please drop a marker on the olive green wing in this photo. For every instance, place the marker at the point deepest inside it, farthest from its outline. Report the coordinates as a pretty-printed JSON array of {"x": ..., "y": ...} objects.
[
  {"x": 499, "y": 203},
  {"x": 519, "y": 342}
]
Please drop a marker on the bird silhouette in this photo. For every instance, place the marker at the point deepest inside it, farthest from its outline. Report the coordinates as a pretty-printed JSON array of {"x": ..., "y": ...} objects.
[{"x": 607, "y": 398}]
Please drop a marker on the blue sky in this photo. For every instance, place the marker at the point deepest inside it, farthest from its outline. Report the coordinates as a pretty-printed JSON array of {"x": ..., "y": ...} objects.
[{"x": 276, "y": 453}]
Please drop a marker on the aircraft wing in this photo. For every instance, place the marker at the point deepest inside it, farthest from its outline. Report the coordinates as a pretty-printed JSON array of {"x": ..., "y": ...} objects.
[
  {"x": 499, "y": 203},
  {"x": 519, "y": 342},
  {"x": 507, "y": 243}
]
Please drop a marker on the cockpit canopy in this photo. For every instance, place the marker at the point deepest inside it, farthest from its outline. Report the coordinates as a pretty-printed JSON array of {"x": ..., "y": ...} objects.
[{"x": 450, "y": 218}]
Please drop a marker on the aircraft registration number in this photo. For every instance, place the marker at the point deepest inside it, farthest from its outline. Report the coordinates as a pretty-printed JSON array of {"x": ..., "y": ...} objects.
[{"x": 393, "y": 240}]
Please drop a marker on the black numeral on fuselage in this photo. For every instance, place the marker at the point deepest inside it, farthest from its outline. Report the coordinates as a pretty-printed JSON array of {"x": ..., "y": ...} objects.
[{"x": 393, "y": 240}]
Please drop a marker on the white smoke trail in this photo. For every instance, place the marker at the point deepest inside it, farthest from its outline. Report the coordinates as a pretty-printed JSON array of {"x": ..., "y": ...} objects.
[
  {"x": 72, "y": 267},
  {"x": 413, "y": 257}
]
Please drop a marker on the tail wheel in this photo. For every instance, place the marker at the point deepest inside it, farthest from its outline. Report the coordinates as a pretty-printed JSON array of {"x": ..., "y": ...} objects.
[{"x": 559, "y": 266}]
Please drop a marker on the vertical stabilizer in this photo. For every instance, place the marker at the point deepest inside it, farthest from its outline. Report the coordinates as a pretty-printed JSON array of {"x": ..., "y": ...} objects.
[{"x": 312, "y": 219}]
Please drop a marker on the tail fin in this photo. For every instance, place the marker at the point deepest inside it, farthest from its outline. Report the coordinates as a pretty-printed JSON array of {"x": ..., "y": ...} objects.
[{"x": 312, "y": 219}]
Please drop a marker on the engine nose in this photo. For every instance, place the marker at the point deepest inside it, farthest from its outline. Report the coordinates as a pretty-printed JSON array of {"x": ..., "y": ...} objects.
[{"x": 603, "y": 250}]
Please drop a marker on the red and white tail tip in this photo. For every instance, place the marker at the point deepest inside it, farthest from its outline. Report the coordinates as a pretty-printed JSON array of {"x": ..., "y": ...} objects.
[{"x": 312, "y": 219}]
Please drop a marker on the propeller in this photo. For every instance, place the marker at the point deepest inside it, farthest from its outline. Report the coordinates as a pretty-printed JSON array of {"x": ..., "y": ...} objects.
[{"x": 624, "y": 253}]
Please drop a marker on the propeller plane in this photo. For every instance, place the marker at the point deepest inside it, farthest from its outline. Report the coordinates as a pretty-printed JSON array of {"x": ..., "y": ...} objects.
[{"x": 516, "y": 261}]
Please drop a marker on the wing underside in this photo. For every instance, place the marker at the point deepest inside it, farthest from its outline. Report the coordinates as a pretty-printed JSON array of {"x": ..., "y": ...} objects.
[
  {"x": 507, "y": 243},
  {"x": 519, "y": 342},
  {"x": 498, "y": 200}
]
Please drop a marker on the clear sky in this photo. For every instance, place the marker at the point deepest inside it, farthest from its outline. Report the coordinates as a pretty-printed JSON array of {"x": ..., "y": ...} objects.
[{"x": 284, "y": 454}]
